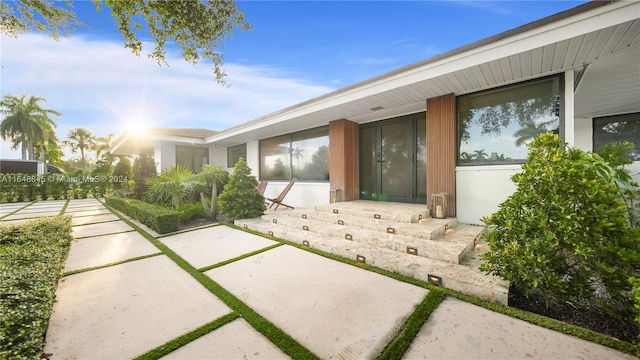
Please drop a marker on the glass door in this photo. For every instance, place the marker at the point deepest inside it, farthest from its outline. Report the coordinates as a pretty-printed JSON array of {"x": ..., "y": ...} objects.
[{"x": 391, "y": 159}]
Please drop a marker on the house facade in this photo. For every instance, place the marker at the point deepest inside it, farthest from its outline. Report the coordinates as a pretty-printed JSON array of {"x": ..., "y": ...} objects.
[{"x": 457, "y": 123}]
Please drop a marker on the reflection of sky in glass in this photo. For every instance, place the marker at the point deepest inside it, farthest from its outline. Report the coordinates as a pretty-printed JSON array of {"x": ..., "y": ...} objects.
[
  {"x": 505, "y": 143},
  {"x": 307, "y": 149}
]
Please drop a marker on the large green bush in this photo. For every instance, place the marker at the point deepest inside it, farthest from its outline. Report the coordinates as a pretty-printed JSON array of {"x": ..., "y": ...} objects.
[
  {"x": 239, "y": 198},
  {"x": 564, "y": 232},
  {"x": 32, "y": 257},
  {"x": 158, "y": 218}
]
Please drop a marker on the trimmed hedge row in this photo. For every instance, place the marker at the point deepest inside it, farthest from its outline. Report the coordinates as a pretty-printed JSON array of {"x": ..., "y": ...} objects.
[
  {"x": 30, "y": 187},
  {"x": 32, "y": 257},
  {"x": 158, "y": 218}
]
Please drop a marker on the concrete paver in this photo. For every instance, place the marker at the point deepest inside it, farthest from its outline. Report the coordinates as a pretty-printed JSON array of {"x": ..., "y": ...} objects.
[
  {"x": 333, "y": 309},
  {"x": 21, "y": 215},
  {"x": 84, "y": 212},
  {"x": 101, "y": 229},
  {"x": 459, "y": 330},
  {"x": 106, "y": 249},
  {"x": 93, "y": 219},
  {"x": 123, "y": 311},
  {"x": 222, "y": 243},
  {"x": 235, "y": 340}
]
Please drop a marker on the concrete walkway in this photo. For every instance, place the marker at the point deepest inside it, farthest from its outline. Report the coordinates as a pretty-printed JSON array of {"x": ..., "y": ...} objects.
[{"x": 133, "y": 298}]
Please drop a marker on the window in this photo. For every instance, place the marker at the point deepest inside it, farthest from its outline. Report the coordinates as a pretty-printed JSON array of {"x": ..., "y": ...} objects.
[
  {"x": 495, "y": 126},
  {"x": 192, "y": 157},
  {"x": 234, "y": 153},
  {"x": 302, "y": 156},
  {"x": 618, "y": 128}
]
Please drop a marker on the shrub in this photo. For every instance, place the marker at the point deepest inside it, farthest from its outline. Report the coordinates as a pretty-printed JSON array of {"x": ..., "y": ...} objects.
[
  {"x": 158, "y": 218},
  {"x": 564, "y": 232},
  {"x": 239, "y": 198},
  {"x": 30, "y": 265},
  {"x": 191, "y": 211}
]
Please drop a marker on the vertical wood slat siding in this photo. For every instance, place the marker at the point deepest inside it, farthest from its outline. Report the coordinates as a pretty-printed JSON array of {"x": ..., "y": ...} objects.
[
  {"x": 344, "y": 168},
  {"x": 441, "y": 149}
]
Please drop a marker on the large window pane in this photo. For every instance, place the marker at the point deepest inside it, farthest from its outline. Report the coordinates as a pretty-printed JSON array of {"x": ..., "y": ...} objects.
[
  {"x": 617, "y": 129},
  {"x": 495, "y": 126},
  {"x": 234, "y": 153},
  {"x": 302, "y": 156},
  {"x": 310, "y": 155},
  {"x": 275, "y": 158},
  {"x": 192, "y": 157}
]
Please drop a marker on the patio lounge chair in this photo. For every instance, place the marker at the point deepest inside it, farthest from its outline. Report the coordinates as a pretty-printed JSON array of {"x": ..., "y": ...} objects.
[
  {"x": 261, "y": 187},
  {"x": 278, "y": 201}
]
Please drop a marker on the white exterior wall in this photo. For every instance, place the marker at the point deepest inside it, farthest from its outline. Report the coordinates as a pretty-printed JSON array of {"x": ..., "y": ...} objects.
[
  {"x": 218, "y": 155},
  {"x": 584, "y": 134},
  {"x": 253, "y": 157},
  {"x": 480, "y": 189},
  {"x": 301, "y": 194}
]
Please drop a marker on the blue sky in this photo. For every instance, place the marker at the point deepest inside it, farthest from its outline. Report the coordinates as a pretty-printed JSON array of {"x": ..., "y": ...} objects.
[{"x": 298, "y": 50}]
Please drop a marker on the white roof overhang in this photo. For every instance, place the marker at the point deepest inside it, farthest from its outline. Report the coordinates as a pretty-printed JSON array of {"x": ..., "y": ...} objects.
[
  {"x": 604, "y": 36},
  {"x": 132, "y": 144}
]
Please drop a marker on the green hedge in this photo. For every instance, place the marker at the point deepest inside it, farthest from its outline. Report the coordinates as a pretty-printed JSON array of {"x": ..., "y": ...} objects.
[
  {"x": 32, "y": 257},
  {"x": 158, "y": 218},
  {"x": 31, "y": 187}
]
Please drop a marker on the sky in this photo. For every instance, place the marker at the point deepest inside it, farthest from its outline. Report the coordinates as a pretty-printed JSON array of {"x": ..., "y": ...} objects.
[{"x": 297, "y": 50}]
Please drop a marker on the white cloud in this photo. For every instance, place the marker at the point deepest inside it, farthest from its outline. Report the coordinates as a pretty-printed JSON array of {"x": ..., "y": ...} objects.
[{"x": 104, "y": 87}]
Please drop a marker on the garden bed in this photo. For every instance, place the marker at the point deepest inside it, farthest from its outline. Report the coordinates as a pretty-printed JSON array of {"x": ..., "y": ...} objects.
[{"x": 592, "y": 319}]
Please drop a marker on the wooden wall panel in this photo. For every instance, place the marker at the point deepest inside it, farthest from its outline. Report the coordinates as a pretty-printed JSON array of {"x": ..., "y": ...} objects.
[
  {"x": 344, "y": 158},
  {"x": 441, "y": 149}
]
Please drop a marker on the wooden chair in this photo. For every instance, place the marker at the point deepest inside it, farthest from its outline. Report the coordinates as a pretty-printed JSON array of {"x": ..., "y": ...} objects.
[
  {"x": 261, "y": 187},
  {"x": 278, "y": 201}
]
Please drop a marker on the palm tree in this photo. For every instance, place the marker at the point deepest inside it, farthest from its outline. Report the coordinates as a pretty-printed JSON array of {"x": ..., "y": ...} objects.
[
  {"x": 213, "y": 176},
  {"x": 103, "y": 144},
  {"x": 80, "y": 139},
  {"x": 174, "y": 184},
  {"x": 49, "y": 149},
  {"x": 25, "y": 122},
  {"x": 531, "y": 131},
  {"x": 479, "y": 155}
]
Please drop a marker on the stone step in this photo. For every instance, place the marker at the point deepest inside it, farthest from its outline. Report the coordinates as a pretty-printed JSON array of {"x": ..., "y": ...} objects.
[
  {"x": 378, "y": 210},
  {"x": 466, "y": 278},
  {"x": 451, "y": 248},
  {"x": 426, "y": 228}
]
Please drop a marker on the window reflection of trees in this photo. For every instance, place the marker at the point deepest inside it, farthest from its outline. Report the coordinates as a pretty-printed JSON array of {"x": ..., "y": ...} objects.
[
  {"x": 522, "y": 111},
  {"x": 618, "y": 128}
]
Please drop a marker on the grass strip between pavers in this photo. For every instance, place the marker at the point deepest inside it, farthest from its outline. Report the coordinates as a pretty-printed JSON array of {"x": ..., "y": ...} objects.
[
  {"x": 278, "y": 337},
  {"x": 222, "y": 263},
  {"x": 187, "y": 230},
  {"x": 529, "y": 317},
  {"x": 64, "y": 207},
  {"x": 399, "y": 345},
  {"x": 180, "y": 341},
  {"x": 97, "y": 235},
  {"x": 73, "y": 272},
  {"x": 16, "y": 210}
]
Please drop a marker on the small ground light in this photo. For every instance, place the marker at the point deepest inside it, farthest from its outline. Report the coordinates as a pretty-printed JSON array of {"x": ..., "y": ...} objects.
[
  {"x": 305, "y": 243},
  {"x": 361, "y": 259},
  {"x": 340, "y": 222},
  {"x": 304, "y": 216},
  {"x": 246, "y": 226},
  {"x": 435, "y": 280},
  {"x": 391, "y": 230},
  {"x": 348, "y": 237},
  {"x": 412, "y": 250},
  {"x": 377, "y": 216},
  {"x": 335, "y": 211},
  {"x": 275, "y": 221},
  {"x": 270, "y": 233},
  {"x": 305, "y": 228}
]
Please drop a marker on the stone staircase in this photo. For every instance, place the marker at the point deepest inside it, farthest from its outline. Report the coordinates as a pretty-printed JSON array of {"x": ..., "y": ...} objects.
[{"x": 399, "y": 237}]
